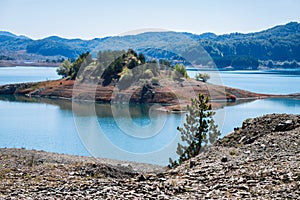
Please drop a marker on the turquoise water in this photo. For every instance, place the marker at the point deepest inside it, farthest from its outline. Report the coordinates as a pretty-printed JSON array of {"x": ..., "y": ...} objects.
[
  {"x": 38, "y": 126},
  {"x": 235, "y": 115},
  {"x": 126, "y": 132},
  {"x": 26, "y": 74},
  {"x": 268, "y": 82},
  {"x": 51, "y": 125}
]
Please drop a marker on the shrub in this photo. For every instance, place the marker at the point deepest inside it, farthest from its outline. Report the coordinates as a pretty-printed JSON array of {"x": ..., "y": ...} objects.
[
  {"x": 125, "y": 79},
  {"x": 202, "y": 77},
  {"x": 180, "y": 69}
]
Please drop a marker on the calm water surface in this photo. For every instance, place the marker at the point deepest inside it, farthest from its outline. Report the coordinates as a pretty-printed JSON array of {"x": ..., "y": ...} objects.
[
  {"x": 26, "y": 74},
  {"x": 268, "y": 82},
  {"x": 235, "y": 115},
  {"x": 135, "y": 132},
  {"x": 51, "y": 125}
]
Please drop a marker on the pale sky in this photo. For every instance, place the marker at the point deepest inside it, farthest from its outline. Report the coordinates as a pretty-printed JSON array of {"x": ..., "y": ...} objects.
[{"x": 89, "y": 19}]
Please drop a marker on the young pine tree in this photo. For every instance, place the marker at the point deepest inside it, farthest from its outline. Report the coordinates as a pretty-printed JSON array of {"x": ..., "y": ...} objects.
[{"x": 199, "y": 123}]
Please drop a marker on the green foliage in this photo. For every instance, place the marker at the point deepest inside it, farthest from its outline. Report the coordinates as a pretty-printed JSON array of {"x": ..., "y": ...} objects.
[
  {"x": 142, "y": 58},
  {"x": 51, "y": 47},
  {"x": 132, "y": 64},
  {"x": 213, "y": 132},
  {"x": 105, "y": 58},
  {"x": 238, "y": 62},
  {"x": 140, "y": 75},
  {"x": 180, "y": 69},
  {"x": 113, "y": 71},
  {"x": 199, "y": 123},
  {"x": 165, "y": 62},
  {"x": 104, "y": 61},
  {"x": 4, "y": 172},
  {"x": 70, "y": 70},
  {"x": 202, "y": 77},
  {"x": 4, "y": 57},
  {"x": 125, "y": 79},
  {"x": 82, "y": 61},
  {"x": 232, "y": 153},
  {"x": 148, "y": 74},
  {"x": 155, "y": 80},
  {"x": 278, "y": 44},
  {"x": 64, "y": 69}
]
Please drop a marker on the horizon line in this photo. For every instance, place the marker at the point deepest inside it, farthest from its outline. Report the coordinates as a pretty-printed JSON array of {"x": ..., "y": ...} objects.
[{"x": 143, "y": 30}]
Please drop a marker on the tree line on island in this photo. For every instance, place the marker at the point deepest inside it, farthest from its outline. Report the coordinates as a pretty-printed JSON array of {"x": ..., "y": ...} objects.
[{"x": 118, "y": 65}]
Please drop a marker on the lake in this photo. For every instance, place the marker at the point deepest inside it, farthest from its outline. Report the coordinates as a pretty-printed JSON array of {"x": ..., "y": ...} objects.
[
  {"x": 51, "y": 125},
  {"x": 22, "y": 74},
  {"x": 268, "y": 81},
  {"x": 126, "y": 132}
]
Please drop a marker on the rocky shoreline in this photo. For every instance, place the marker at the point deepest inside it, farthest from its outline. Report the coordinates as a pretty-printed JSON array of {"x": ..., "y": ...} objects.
[
  {"x": 174, "y": 95},
  {"x": 260, "y": 160}
]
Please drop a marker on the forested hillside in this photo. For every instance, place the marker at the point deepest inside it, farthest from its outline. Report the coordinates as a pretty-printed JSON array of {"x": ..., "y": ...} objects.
[{"x": 275, "y": 47}]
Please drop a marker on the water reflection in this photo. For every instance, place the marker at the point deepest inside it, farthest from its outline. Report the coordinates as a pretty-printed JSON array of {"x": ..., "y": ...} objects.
[{"x": 125, "y": 132}]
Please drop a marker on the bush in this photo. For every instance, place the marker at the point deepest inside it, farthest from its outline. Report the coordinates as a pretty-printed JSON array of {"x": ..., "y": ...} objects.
[
  {"x": 125, "y": 79},
  {"x": 148, "y": 74},
  {"x": 67, "y": 69},
  {"x": 180, "y": 69},
  {"x": 64, "y": 69},
  {"x": 202, "y": 77}
]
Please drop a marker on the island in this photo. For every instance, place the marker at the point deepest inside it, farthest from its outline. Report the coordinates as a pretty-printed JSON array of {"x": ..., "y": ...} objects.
[{"x": 128, "y": 78}]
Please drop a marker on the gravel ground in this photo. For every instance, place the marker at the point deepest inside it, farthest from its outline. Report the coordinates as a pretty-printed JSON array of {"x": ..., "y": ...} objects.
[{"x": 260, "y": 160}]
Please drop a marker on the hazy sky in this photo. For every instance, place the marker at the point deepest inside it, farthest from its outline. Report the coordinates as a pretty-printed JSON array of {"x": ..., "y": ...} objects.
[{"x": 98, "y": 18}]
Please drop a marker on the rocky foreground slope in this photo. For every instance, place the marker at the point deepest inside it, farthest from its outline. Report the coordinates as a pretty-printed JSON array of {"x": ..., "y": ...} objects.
[{"x": 260, "y": 160}]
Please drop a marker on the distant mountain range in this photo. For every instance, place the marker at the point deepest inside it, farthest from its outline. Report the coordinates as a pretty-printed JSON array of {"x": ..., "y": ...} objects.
[{"x": 275, "y": 47}]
